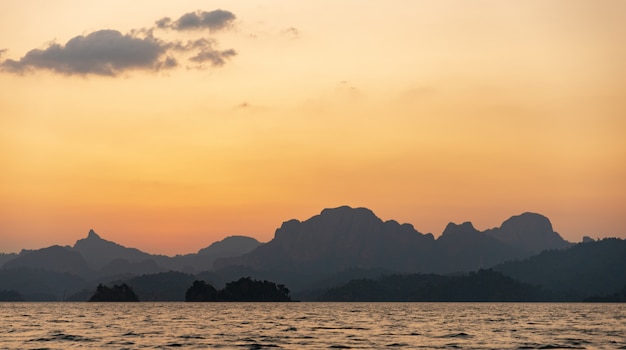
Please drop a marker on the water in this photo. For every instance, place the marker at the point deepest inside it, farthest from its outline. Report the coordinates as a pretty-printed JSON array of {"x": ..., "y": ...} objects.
[{"x": 312, "y": 325}]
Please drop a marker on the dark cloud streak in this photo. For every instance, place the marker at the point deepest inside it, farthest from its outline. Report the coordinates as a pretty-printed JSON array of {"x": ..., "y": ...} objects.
[
  {"x": 104, "y": 52},
  {"x": 110, "y": 53},
  {"x": 216, "y": 58},
  {"x": 212, "y": 20}
]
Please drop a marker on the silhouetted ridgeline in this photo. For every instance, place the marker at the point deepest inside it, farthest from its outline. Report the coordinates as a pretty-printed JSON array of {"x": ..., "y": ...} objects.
[
  {"x": 344, "y": 238},
  {"x": 585, "y": 269},
  {"x": 484, "y": 285},
  {"x": 109, "y": 258},
  {"x": 326, "y": 251}
]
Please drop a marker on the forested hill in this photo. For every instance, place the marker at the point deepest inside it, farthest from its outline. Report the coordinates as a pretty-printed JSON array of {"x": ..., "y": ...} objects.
[
  {"x": 484, "y": 285},
  {"x": 583, "y": 270}
]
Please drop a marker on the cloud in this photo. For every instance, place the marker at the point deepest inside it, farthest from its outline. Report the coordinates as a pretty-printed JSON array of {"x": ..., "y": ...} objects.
[
  {"x": 291, "y": 31},
  {"x": 216, "y": 58},
  {"x": 104, "y": 52},
  {"x": 111, "y": 53},
  {"x": 198, "y": 20},
  {"x": 205, "y": 52}
]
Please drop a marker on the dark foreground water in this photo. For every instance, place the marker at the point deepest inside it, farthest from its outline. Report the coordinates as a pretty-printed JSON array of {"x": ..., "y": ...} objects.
[{"x": 312, "y": 325}]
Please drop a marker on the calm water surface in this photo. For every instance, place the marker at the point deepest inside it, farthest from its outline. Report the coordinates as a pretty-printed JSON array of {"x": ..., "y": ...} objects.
[{"x": 312, "y": 325}]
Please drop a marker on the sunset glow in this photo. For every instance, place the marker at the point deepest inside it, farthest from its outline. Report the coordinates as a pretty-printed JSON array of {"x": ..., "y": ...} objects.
[{"x": 425, "y": 112}]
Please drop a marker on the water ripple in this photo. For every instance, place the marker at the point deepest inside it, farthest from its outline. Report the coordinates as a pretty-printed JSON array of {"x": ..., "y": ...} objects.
[{"x": 312, "y": 326}]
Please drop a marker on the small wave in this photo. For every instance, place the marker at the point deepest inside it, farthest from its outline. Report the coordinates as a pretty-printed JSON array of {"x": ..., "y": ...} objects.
[
  {"x": 558, "y": 346},
  {"x": 174, "y": 345},
  {"x": 185, "y": 336},
  {"x": 456, "y": 335},
  {"x": 340, "y": 347},
  {"x": 261, "y": 346},
  {"x": 576, "y": 341},
  {"x": 343, "y": 328},
  {"x": 115, "y": 342},
  {"x": 63, "y": 337}
]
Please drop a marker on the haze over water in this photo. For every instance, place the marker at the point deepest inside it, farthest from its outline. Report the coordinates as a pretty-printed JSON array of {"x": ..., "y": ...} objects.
[{"x": 312, "y": 325}]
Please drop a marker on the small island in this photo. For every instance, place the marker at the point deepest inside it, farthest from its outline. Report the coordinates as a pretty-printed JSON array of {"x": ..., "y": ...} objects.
[
  {"x": 243, "y": 290},
  {"x": 117, "y": 293}
]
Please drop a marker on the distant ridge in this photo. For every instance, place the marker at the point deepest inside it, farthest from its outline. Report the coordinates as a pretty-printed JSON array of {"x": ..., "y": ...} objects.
[
  {"x": 325, "y": 250},
  {"x": 231, "y": 245},
  {"x": 99, "y": 252},
  {"x": 346, "y": 238},
  {"x": 54, "y": 258},
  {"x": 335, "y": 240}
]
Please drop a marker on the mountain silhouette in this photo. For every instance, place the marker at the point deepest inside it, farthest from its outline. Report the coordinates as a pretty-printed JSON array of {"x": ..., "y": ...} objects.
[
  {"x": 336, "y": 240},
  {"x": 203, "y": 260},
  {"x": 346, "y": 238},
  {"x": 464, "y": 248},
  {"x": 326, "y": 250},
  {"x": 111, "y": 258},
  {"x": 54, "y": 258},
  {"x": 230, "y": 246},
  {"x": 530, "y": 232},
  {"x": 583, "y": 270},
  {"x": 99, "y": 252}
]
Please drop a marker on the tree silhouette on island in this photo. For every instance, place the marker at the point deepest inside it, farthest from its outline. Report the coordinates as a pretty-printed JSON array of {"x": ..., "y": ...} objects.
[
  {"x": 243, "y": 290},
  {"x": 117, "y": 293}
]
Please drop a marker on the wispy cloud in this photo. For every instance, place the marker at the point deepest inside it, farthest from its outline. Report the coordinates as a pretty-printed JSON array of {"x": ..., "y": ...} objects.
[
  {"x": 216, "y": 58},
  {"x": 291, "y": 31},
  {"x": 111, "y": 53},
  {"x": 198, "y": 20}
]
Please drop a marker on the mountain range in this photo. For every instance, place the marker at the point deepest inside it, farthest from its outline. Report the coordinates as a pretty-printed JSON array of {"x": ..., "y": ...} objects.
[
  {"x": 324, "y": 251},
  {"x": 343, "y": 238}
]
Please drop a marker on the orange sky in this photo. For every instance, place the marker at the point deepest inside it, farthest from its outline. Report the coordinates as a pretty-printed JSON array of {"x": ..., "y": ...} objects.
[{"x": 425, "y": 112}]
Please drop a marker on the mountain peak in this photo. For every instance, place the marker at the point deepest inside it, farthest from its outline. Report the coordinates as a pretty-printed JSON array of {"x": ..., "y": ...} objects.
[
  {"x": 231, "y": 245},
  {"x": 529, "y": 221},
  {"x": 348, "y": 213},
  {"x": 454, "y": 229},
  {"x": 530, "y": 231},
  {"x": 93, "y": 235}
]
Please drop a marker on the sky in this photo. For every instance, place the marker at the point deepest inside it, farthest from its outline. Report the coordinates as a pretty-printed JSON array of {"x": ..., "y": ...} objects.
[{"x": 168, "y": 125}]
